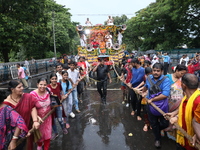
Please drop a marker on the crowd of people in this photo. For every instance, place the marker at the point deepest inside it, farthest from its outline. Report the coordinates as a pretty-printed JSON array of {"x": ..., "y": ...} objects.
[
  {"x": 21, "y": 112},
  {"x": 145, "y": 80}
]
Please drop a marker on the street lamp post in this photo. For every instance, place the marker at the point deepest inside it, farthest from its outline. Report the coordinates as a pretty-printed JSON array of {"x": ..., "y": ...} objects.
[{"x": 54, "y": 38}]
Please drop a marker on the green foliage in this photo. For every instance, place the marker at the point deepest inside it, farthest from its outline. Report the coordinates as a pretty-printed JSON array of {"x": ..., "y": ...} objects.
[
  {"x": 165, "y": 25},
  {"x": 26, "y": 29},
  {"x": 118, "y": 20}
]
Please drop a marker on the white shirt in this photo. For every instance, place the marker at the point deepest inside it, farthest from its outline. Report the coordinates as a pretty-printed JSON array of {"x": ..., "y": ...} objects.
[
  {"x": 83, "y": 41},
  {"x": 154, "y": 61},
  {"x": 110, "y": 22},
  {"x": 26, "y": 62},
  {"x": 119, "y": 38},
  {"x": 109, "y": 39},
  {"x": 184, "y": 59},
  {"x": 59, "y": 77},
  {"x": 74, "y": 75}
]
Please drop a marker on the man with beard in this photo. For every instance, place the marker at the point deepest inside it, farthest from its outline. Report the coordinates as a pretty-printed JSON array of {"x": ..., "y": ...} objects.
[
  {"x": 158, "y": 87},
  {"x": 137, "y": 77},
  {"x": 102, "y": 77}
]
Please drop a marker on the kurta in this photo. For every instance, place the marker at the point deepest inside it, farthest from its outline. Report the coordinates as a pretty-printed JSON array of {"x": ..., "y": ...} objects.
[{"x": 43, "y": 107}]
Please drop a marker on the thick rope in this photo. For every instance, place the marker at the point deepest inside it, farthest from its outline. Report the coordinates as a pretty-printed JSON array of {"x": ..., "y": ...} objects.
[
  {"x": 167, "y": 117},
  {"x": 49, "y": 113}
]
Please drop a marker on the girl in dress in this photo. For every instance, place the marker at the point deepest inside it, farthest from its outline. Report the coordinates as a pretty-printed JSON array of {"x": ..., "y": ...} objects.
[
  {"x": 56, "y": 90},
  {"x": 67, "y": 103},
  {"x": 43, "y": 107}
]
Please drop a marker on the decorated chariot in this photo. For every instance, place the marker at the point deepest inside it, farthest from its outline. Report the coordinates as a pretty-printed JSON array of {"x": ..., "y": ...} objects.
[{"x": 101, "y": 41}]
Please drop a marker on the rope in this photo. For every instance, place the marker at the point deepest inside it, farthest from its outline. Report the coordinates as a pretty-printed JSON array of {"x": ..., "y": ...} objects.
[
  {"x": 49, "y": 113},
  {"x": 167, "y": 117}
]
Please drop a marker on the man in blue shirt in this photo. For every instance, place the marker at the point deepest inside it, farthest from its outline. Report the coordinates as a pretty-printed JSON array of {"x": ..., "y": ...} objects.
[
  {"x": 166, "y": 62},
  {"x": 158, "y": 122},
  {"x": 137, "y": 77}
]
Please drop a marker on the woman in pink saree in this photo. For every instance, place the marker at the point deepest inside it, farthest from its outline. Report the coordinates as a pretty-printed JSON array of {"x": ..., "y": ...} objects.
[{"x": 43, "y": 107}]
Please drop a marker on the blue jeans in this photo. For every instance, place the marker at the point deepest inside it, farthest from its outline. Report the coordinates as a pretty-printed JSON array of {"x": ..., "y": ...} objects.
[
  {"x": 67, "y": 105},
  {"x": 59, "y": 118},
  {"x": 75, "y": 98}
]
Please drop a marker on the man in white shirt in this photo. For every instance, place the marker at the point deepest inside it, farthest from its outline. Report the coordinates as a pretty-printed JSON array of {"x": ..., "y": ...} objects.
[
  {"x": 83, "y": 40},
  {"x": 154, "y": 60},
  {"x": 74, "y": 76},
  {"x": 26, "y": 62},
  {"x": 110, "y": 21},
  {"x": 59, "y": 72}
]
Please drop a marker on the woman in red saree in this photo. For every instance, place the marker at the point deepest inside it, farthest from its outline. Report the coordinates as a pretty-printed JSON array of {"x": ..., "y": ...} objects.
[
  {"x": 16, "y": 124},
  {"x": 24, "y": 104}
]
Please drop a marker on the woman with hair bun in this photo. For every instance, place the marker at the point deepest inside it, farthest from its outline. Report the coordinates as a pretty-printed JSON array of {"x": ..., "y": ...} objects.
[
  {"x": 16, "y": 122},
  {"x": 24, "y": 104},
  {"x": 176, "y": 95}
]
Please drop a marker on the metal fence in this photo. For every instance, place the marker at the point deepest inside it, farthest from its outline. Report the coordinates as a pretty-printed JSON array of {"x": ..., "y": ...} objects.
[{"x": 8, "y": 71}]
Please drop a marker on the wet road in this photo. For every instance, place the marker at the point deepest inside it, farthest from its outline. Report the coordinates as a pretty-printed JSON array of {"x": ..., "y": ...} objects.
[{"x": 104, "y": 127}]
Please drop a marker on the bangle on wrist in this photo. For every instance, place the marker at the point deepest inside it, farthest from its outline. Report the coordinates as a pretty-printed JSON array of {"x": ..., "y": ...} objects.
[
  {"x": 15, "y": 137},
  {"x": 35, "y": 121}
]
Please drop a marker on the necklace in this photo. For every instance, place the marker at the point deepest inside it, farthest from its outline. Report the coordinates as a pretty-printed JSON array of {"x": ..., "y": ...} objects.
[
  {"x": 53, "y": 86},
  {"x": 13, "y": 99}
]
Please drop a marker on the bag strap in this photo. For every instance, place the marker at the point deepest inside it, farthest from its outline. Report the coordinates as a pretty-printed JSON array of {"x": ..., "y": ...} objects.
[
  {"x": 150, "y": 81},
  {"x": 48, "y": 91},
  {"x": 159, "y": 82}
]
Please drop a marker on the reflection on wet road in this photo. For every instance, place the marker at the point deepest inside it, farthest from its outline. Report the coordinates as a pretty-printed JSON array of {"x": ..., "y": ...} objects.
[{"x": 106, "y": 127}]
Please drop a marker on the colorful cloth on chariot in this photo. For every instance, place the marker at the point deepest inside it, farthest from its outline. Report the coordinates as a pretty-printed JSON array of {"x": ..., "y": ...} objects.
[
  {"x": 43, "y": 107},
  {"x": 16, "y": 120}
]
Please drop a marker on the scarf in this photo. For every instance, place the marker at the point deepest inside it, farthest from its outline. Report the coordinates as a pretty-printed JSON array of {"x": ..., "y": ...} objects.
[{"x": 188, "y": 117}]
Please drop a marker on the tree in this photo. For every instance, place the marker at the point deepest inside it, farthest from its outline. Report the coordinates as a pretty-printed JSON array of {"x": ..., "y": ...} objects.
[
  {"x": 164, "y": 25},
  {"x": 26, "y": 27},
  {"x": 119, "y": 20}
]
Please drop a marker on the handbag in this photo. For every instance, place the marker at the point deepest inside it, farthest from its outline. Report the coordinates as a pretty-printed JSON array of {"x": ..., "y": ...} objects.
[
  {"x": 155, "y": 91},
  {"x": 54, "y": 99},
  {"x": 9, "y": 129}
]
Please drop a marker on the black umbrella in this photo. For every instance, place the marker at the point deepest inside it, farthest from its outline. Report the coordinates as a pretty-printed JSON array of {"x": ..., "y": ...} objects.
[{"x": 150, "y": 52}]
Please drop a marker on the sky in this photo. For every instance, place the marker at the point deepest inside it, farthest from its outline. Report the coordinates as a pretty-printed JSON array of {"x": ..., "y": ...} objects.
[{"x": 98, "y": 11}]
